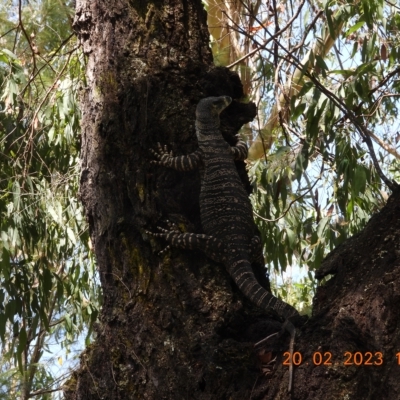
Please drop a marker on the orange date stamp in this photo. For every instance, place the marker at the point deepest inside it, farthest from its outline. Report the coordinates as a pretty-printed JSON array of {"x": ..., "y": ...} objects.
[{"x": 326, "y": 358}]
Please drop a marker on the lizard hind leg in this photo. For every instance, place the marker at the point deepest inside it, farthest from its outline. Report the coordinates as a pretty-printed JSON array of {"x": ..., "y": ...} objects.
[{"x": 211, "y": 246}]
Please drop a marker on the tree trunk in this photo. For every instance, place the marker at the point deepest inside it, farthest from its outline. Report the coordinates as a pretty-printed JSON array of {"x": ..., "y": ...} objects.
[
  {"x": 175, "y": 326},
  {"x": 169, "y": 324}
]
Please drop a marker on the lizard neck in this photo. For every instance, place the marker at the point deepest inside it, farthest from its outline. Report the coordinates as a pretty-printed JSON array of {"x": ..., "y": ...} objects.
[
  {"x": 210, "y": 138},
  {"x": 207, "y": 126}
]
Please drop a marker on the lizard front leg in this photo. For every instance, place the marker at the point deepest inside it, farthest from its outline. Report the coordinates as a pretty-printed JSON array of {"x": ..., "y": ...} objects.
[
  {"x": 179, "y": 163},
  {"x": 239, "y": 151}
]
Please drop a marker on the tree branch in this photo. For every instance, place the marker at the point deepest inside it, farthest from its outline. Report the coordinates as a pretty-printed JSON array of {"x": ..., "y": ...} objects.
[{"x": 272, "y": 37}]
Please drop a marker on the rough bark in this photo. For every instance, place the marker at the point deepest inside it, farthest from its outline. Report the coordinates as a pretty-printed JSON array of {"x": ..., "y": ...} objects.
[
  {"x": 169, "y": 325},
  {"x": 175, "y": 326}
]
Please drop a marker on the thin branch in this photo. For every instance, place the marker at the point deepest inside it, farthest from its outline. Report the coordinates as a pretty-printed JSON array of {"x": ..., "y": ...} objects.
[
  {"x": 337, "y": 56},
  {"x": 392, "y": 4},
  {"x": 38, "y": 350},
  {"x": 12, "y": 29},
  {"x": 384, "y": 80},
  {"x": 26, "y": 34},
  {"x": 63, "y": 43},
  {"x": 272, "y": 37},
  {"x": 290, "y": 204},
  {"x": 51, "y": 88},
  {"x": 44, "y": 391}
]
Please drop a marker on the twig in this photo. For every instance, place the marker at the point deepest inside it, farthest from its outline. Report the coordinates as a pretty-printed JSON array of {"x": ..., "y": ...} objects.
[
  {"x": 12, "y": 29},
  {"x": 44, "y": 391},
  {"x": 272, "y": 37},
  {"x": 266, "y": 339},
  {"x": 31, "y": 125},
  {"x": 26, "y": 34},
  {"x": 126, "y": 287},
  {"x": 63, "y": 43},
  {"x": 392, "y": 4},
  {"x": 384, "y": 80},
  {"x": 289, "y": 206}
]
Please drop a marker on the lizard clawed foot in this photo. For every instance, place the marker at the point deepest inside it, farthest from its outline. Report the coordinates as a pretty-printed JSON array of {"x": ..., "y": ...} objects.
[
  {"x": 164, "y": 250},
  {"x": 162, "y": 153},
  {"x": 164, "y": 232},
  {"x": 156, "y": 234}
]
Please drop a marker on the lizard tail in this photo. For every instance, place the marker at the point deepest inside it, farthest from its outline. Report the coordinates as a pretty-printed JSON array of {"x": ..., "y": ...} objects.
[{"x": 242, "y": 274}]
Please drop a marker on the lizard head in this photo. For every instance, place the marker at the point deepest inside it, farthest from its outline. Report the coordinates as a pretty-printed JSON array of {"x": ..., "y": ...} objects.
[{"x": 208, "y": 109}]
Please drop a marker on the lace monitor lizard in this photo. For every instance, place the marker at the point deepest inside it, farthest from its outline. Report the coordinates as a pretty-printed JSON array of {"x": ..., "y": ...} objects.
[{"x": 230, "y": 236}]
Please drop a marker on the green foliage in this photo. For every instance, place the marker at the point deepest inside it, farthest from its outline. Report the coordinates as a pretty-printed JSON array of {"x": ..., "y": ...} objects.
[
  {"x": 48, "y": 288},
  {"x": 336, "y": 77},
  {"x": 296, "y": 291}
]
